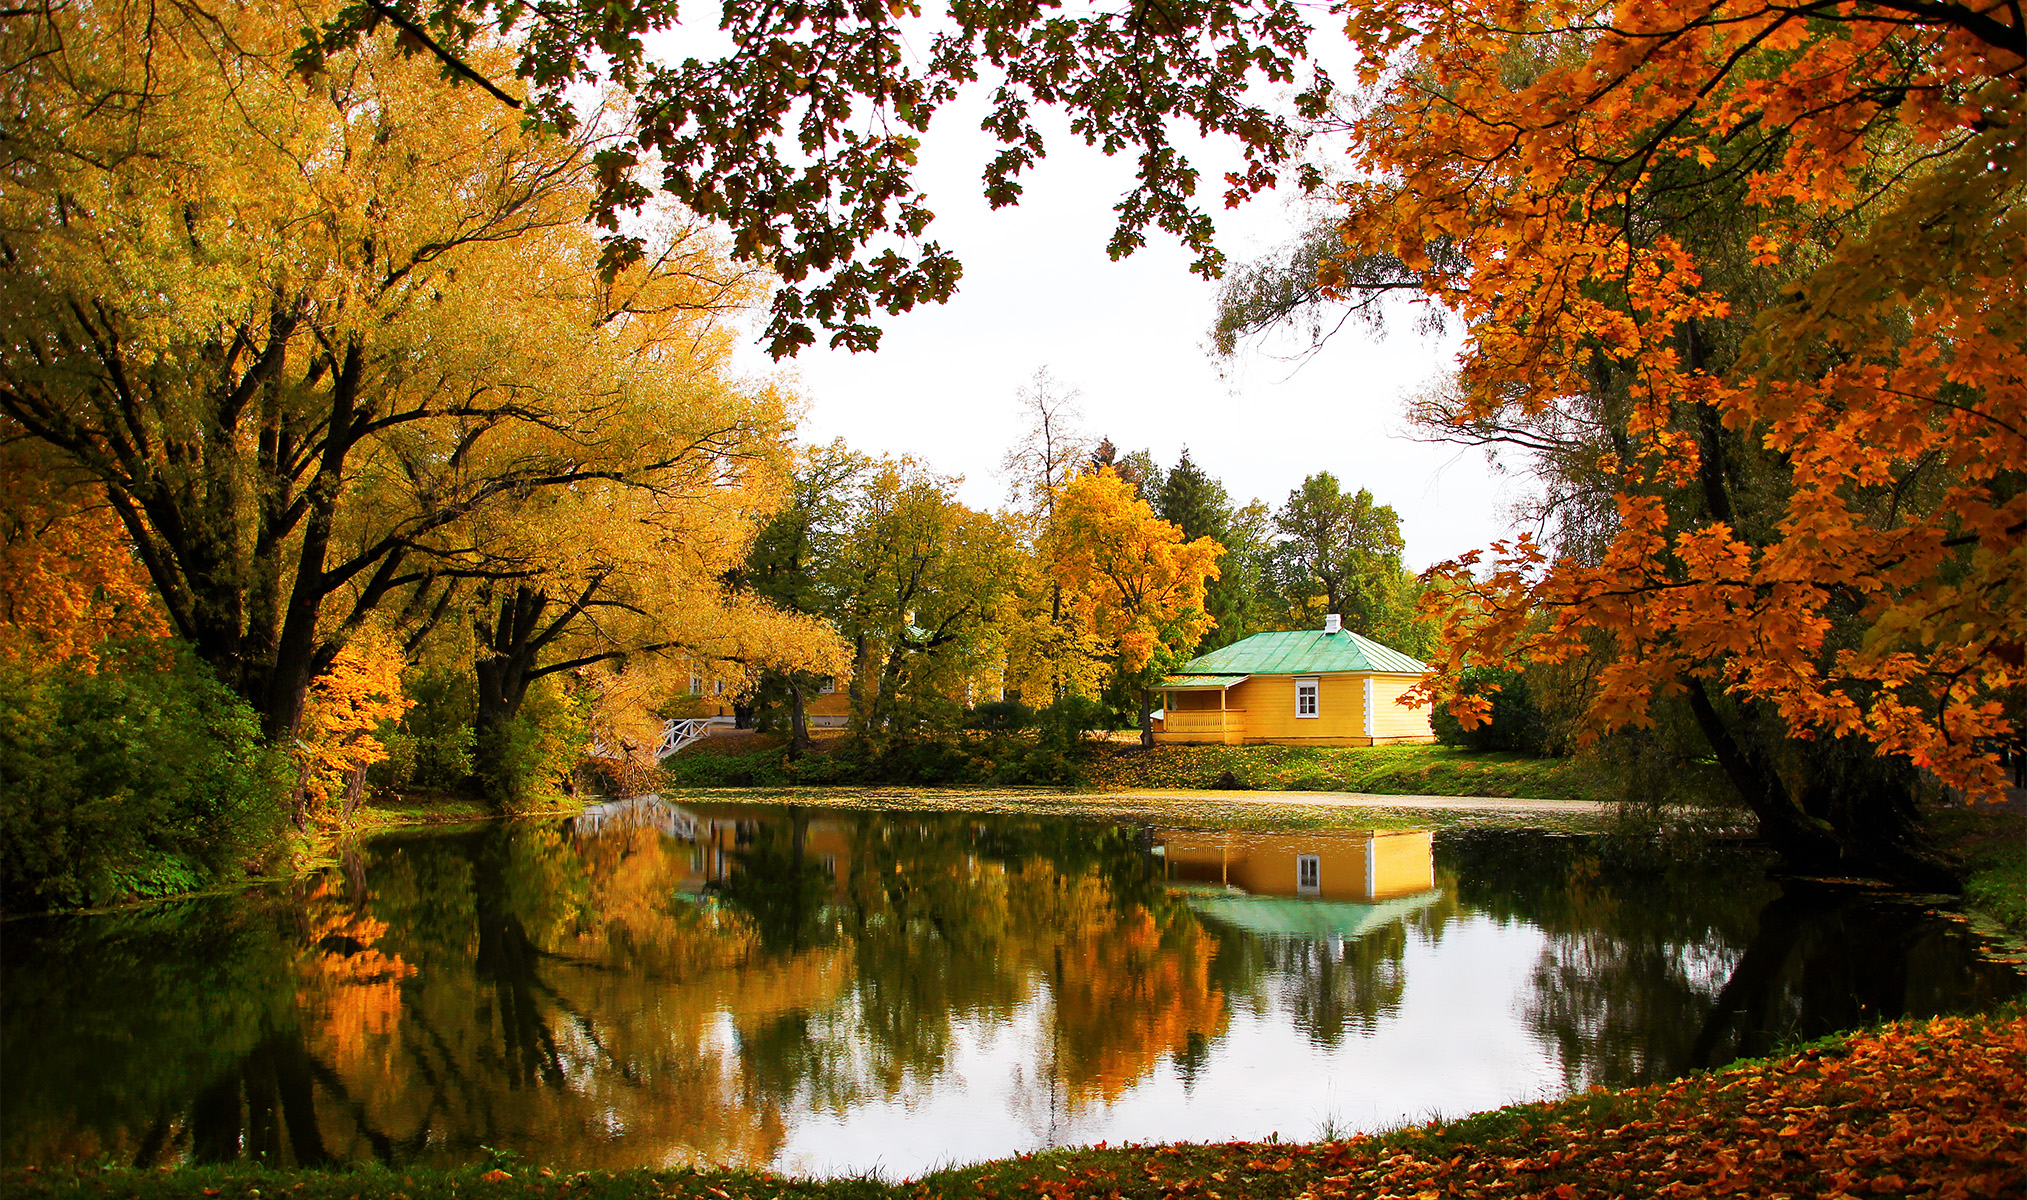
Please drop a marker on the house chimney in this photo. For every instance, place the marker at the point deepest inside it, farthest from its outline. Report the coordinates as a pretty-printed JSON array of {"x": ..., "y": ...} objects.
[{"x": 1332, "y": 623}]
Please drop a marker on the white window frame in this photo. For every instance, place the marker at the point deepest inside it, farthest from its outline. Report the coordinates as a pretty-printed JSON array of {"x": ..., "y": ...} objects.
[
  {"x": 1308, "y": 873},
  {"x": 829, "y": 685},
  {"x": 1314, "y": 687},
  {"x": 696, "y": 685}
]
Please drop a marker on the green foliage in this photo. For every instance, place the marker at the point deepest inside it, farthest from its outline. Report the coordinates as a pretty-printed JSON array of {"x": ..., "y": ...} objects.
[
  {"x": 526, "y": 761},
  {"x": 1049, "y": 748},
  {"x": 145, "y": 779},
  {"x": 1002, "y": 716},
  {"x": 1342, "y": 550},
  {"x": 1518, "y": 725},
  {"x": 432, "y": 747}
]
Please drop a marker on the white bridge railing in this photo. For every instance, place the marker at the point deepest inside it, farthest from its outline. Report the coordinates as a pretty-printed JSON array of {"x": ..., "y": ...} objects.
[{"x": 681, "y": 732}]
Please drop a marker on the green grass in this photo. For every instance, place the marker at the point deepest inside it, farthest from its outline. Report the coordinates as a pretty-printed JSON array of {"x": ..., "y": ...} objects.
[
  {"x": 1993, "y": 844},
  {"x": 1377, "y": 770}
]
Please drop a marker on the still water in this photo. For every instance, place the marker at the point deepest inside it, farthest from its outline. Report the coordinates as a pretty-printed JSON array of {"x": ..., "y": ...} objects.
[{"x": 833, "y": 991}]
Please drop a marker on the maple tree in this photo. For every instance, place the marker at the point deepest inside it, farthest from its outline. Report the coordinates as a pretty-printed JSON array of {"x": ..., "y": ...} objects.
[
  {"x": 1752, "y": 269},
  {"x": 69, "y": 582},
  {"x": 1132, "y": 586},
  {"x": 802, "y": 136}
]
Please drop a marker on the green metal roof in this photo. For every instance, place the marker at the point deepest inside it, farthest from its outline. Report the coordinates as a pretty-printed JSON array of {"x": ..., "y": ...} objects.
[
  {"x": 1304, "y": 652},
  {"x": 1278, "y": 916},
  {"x": 1182, "y": 683}
]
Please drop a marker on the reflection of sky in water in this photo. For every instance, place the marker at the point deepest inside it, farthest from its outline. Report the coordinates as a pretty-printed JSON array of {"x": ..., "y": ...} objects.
[
  {"x": 854, "y": 993},
  {"x": 1458, "y": 1044}
]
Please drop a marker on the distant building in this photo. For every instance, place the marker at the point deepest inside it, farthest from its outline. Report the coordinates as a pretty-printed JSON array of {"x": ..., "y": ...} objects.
[{"x": 1306, "y": 687}]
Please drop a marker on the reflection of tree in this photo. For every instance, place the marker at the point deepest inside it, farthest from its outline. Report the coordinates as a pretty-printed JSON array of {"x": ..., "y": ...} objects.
[
  {"x": 263, "y": 1109},
  {"x": 110, "y": 1022},
  {"x": 1332, "y": 987},
  {"x": 572, "y": 995},
  {"x": 1660, "y": 959},
  {"x": 1821, "y": 962},
  {"x": 1639, "y": 937},
  {"x": 777, "y": 886}
]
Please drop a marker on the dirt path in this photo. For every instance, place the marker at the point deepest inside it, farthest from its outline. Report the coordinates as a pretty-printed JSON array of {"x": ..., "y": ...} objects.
[{"x": 1513, "y": 804}]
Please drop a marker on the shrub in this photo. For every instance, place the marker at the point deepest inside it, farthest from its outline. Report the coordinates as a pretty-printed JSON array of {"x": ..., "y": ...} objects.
[
  {"x": 145, "y": 778},
  {"x": 432, "y": 747},
  {"x": 529, "y": 760},
  {"x": 1001, "y": 716}
]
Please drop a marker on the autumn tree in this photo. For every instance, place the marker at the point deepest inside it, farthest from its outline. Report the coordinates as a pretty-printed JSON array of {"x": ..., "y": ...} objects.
[
  {"x": 786, "y": 563},
  {"x": 1770, "y": 256},
  {"x": 328, "y": 350},
  {"x": 1052, "y": 447},
  {"x": 916, "y": 585},
  {"x": 1131, "y": 582},
  {"x": 802, "y": 138},
  {"x": 69, "y": 580}
]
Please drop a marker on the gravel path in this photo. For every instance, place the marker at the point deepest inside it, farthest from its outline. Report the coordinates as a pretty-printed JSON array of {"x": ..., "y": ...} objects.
[{"x": 1369, "y": 800}]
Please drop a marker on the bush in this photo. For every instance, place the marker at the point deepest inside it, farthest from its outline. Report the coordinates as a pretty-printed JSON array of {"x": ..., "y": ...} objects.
[
  {"x": 146, "y": 778},
  {"x": 529, "y": 760},
  {"x": 1001, "y": 716},
  {"x": 432, "y": 747},
  {"x": 1518, "y": 723}
]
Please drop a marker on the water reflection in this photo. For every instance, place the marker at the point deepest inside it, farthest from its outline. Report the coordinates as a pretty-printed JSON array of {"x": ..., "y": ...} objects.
[{"x": 653, "y": 984}]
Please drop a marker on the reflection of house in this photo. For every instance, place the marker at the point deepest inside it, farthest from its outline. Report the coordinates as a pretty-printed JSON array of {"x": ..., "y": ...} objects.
[
  {"x": 1302, "y": 884},
  {"x": 1328, "y": 687},
  {"x": 1373, "y": 865}
]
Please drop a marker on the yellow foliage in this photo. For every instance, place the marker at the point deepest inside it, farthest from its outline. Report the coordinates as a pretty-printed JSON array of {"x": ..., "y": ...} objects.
[{"x": 1132, "y": 586}]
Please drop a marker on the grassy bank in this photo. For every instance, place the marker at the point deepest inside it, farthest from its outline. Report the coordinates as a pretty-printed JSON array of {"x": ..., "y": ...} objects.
[
  {"x": 1017, "y": 760},
  {"x": 1923, "y": 1109},
  {"x": 1378, "y": 770},
  {"x": 1992, "y": 841}
]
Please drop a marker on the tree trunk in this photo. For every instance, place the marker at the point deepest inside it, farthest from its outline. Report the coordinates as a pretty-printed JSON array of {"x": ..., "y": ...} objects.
[
  {"x": 504, "y": 668},
  {"x": 798, "y": 720},
  {"x": 1857, "y": 815},
  {"x": 1147, "y": 717}
]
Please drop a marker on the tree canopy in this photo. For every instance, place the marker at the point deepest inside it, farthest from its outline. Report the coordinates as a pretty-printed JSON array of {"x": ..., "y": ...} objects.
[
  {"x": 801, "y": 138},
  {"x": 344, "y": 365},
  {"x": 1754, "y": 268}
]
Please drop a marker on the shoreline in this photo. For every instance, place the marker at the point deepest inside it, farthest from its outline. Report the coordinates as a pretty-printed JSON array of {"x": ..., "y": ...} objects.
[{"x": 1927, "y": 1107}]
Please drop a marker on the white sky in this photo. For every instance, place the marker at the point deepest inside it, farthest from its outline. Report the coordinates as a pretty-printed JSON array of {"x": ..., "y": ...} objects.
[{"x": 1039, "y": 291}]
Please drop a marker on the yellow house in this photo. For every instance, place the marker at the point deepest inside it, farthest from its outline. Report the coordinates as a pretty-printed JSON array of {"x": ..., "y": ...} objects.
[{"x": 1305, "y": 687}]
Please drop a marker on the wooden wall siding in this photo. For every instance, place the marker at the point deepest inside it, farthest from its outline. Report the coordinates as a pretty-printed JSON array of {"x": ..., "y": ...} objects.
[
  {"x": 1197, "y": 725},
  {"x": 1267, "y": 703},
  {"x": 1389, "y": 719}
]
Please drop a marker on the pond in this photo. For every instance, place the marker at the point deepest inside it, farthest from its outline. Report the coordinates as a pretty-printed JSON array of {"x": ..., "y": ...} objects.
[{"x": 824, "y": 990}]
